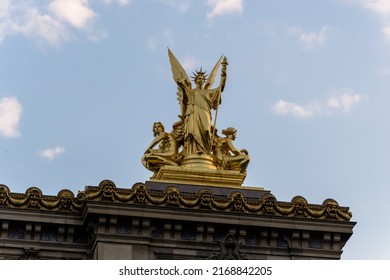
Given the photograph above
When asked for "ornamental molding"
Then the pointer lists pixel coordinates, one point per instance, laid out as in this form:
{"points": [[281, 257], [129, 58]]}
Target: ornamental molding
{"points": [[202, 200]]}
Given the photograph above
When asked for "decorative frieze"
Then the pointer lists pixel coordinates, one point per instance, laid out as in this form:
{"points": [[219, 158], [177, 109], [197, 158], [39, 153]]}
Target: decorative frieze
{"points": [[172, 196]]}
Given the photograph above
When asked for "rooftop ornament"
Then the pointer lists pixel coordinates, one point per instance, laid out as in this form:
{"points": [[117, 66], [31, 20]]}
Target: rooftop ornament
{"points": [[194, 143]]}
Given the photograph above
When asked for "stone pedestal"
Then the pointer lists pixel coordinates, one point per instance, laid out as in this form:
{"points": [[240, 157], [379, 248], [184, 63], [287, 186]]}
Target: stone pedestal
{"points": [[198, 162], [200, 177]]}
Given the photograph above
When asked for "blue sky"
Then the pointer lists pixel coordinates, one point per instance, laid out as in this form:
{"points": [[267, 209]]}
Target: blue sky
{"points": [[82, 81]]}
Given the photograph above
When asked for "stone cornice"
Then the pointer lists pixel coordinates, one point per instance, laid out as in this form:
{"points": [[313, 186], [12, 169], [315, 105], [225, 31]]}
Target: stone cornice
{"points": [[172, 197]]}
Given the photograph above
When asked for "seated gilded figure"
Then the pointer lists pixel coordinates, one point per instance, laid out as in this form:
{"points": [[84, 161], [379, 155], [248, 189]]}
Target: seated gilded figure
{"points": [[165, 154], [227, 156]]}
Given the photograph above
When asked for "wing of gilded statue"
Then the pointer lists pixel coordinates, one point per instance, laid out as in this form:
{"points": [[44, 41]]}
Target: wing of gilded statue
{"points": [[178, 72], [213, 74]]}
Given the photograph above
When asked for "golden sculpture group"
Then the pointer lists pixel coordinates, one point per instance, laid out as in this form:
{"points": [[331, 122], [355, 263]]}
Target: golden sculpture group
{"points": [[194, 142]]}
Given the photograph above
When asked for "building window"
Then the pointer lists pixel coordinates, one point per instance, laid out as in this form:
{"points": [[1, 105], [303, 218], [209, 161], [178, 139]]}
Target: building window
{"points": [[158, 226], [123, 226], [316, 240], [49, 232], [16, 230], [220, 232], [188, 231], [282, 239], [80, 236], [252, 236]]}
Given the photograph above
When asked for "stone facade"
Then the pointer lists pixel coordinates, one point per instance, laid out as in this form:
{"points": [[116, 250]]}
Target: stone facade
{"points": [[155, 220]]}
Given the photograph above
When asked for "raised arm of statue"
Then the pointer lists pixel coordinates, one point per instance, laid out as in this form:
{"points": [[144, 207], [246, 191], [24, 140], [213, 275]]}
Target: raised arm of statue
{"points": [[211, 77], [223, 74]]}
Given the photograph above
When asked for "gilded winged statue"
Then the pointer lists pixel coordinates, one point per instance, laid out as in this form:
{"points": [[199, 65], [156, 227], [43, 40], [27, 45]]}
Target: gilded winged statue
{"points": [[196, 105], [194, 142]]}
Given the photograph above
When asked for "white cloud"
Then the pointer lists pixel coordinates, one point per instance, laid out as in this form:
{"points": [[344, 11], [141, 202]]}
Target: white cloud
{"points": [[123, 2], [310, 40], [36, 25], [343, 101], [378, 6], [119, 2], [4, 8], [27, 18], [382, 9], [51, 21], [289, 108], [75, 12], [223, 7], [52, 153], [10, 113]]}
